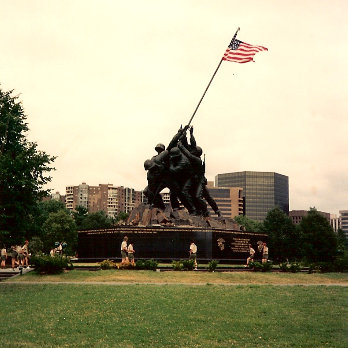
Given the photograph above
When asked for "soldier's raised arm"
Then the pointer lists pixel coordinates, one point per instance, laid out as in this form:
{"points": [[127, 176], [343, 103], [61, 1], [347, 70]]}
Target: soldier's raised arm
{"points": [[177, 137]]}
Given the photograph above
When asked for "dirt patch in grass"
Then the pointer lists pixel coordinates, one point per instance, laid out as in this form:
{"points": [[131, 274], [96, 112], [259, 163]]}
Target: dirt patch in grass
{"points": [[187, 277]]}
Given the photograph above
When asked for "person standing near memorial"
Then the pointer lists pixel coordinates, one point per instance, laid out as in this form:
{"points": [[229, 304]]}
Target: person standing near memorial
{"points": [[25, 254], [251, 255], [193, 254], [124, 250], [14, 255], [265, 253], [20, 255], [131, 252], [3, 256]]}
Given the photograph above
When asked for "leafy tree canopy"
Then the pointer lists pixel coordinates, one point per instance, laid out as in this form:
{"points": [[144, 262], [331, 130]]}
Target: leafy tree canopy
{"points": [[250, 225], [41, 213], [60, 227], [95, 220], [319, 242], [283, 237], [80, 214], [22, 171], [342, 243], [121, 216]]}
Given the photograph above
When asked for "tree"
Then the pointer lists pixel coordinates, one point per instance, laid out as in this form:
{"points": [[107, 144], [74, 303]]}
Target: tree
{"points": [[249, 224], [80, 214], [96, 220], [22, 171], [36, 245], [283, 237], [41, 213], [60, 227], [319, 242], [341, 240], [121, 216]]}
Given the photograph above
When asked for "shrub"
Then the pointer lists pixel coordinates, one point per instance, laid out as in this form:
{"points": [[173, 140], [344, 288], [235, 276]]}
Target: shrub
{"points": [[261, 267], [212, 265], [255, 266], [188, 265], [140, 264], [267, 266], [311, 268], [294, 267], [126, 265], [177, 265], [50, 264], [146, 264], [151, 265], [340, 264], [324, 267], [183, 265], [107, 264], [284, 267]]}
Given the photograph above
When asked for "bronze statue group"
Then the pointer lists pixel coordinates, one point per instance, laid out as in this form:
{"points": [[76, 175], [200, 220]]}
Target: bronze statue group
{"points": [[179, 168]]}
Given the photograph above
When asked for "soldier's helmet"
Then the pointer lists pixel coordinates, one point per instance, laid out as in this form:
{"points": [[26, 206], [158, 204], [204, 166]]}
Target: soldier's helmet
{"points": [[160, 147], [198, 151], [148, 164], [174, 152]]}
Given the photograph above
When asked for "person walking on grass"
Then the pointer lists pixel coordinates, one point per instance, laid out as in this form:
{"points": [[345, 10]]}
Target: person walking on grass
{"points": [[131, 252], [251, 255], [3, 256], [193, 254], [124, 250]]}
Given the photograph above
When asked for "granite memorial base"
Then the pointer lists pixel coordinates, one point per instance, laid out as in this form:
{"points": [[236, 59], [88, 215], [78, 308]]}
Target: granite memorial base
{"points": [[168, 243]]}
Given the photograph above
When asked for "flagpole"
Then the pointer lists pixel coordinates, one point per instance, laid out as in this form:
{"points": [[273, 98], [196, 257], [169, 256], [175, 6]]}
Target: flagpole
{"points": [[199, 103]]}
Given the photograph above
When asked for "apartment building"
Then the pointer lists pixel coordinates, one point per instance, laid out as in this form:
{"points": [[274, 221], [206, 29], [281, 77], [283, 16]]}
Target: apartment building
{"points": [[106, 197], [344, 222]]}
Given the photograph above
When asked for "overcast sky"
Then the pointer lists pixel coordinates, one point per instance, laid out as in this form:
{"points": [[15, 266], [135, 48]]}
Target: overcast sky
{"points": [[103, 82]]}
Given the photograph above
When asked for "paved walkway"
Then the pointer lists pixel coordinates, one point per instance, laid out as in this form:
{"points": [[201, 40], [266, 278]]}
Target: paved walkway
{"points": [[171, 283]]}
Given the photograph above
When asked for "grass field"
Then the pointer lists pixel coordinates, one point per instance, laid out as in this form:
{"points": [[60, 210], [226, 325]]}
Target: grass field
{"points": [[174, 315]]}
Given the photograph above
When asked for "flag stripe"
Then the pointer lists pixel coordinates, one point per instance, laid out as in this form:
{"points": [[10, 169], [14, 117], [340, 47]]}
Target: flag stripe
{"points": [[242, 52]]}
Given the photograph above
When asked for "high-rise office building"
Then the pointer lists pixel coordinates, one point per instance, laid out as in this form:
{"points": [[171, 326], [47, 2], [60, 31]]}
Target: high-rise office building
{"points": [[229, 200], [297, 215], [262, 191]]}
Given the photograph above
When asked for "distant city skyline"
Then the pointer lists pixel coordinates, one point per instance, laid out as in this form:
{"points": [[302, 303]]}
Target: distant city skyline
{"points": [[102, 82]]}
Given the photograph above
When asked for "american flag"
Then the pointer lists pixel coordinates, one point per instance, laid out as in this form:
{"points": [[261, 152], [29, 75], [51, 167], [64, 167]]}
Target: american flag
{"points": [[241, 52]]}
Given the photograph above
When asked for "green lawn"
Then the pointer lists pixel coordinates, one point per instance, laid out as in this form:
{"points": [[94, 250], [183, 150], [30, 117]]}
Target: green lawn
{"points": [[256, 314], [68, 315]]}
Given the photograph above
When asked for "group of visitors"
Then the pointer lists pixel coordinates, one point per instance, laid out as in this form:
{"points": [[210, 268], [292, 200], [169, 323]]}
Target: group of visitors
{"points": [[58, 249], [127, 252], [262, 247], [19, 256]]}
